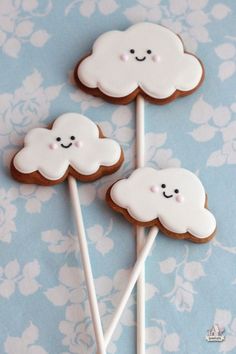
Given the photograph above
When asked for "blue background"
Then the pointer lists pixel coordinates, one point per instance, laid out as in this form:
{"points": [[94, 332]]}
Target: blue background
{"points": [[43, 302]]}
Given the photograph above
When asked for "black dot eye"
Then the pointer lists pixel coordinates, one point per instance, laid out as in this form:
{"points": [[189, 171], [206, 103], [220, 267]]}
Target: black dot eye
{"points": [[176, 191], [149, 51], [132, 51], [72, 137], [163, 185], [58, 139]]}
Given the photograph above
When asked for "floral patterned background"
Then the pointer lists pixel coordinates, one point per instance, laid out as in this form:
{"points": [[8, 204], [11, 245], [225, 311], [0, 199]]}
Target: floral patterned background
{"points": [[43, 301]]}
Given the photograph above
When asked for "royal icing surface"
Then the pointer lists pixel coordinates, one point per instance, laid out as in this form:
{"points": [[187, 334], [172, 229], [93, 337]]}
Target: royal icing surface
{"points": [[146, 55], [73, 141], [175, 196]]}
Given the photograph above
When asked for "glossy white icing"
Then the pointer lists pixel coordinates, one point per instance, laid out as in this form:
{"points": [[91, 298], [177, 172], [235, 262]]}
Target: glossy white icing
{"points": [[146, 55], [72, 141], [149, 194]]}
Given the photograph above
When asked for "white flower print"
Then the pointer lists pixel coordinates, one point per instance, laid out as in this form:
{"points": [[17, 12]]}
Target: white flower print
{"points": [[26, 343], [22, 110], [85, 101], [188, 18], [214, 121], [12, 277], [100, 238], [77, 326], [182, 295], [186, 273], [155, 155], [88, 7], [118, 126], [87, 194], [77, 335], [168, 265], [229, 249], [227, 53], [71, 288], [224, 319], [8, 213], [59, 243], [158, 339], [35, 196], [17, 26], [145, 10]]}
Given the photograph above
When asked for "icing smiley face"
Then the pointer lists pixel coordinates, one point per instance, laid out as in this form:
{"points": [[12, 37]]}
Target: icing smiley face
{"points": [[74, 145], [125, 57], [174, 199], [165, 194], [146, 58], [142, 58], [179, 198], [65, 146], [55, 146], [174, 193]]}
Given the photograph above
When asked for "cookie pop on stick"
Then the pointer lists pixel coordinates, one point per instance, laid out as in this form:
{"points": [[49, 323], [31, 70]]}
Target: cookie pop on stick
{"points": [[145, 61], [173, 200], [73, 148]]}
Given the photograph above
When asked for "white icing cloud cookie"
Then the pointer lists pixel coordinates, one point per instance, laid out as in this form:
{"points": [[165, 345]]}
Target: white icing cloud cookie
{"points": [[73, 142], [175, 197], [145, 56]]}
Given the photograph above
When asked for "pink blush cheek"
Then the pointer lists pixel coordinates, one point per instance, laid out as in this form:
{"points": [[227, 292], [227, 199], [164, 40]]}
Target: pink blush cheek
{"points": [[156, 58], [179, 198], [124, 57], [53, 146], [154, 189], [78, 144]]}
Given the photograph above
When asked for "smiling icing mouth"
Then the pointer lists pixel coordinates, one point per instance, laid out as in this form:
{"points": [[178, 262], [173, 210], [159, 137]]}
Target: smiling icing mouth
{"points": [[167, 196], [142, 59], [66, 146]]}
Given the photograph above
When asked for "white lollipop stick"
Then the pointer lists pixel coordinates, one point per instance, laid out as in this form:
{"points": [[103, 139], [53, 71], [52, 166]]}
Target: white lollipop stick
{"points": [[140, 161], [87, 266], [150, 238]]}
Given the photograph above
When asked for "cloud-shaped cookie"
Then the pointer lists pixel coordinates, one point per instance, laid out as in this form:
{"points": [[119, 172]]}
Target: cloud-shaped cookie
{"points": [[173, 198], [146, 58], [74, 145]]}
